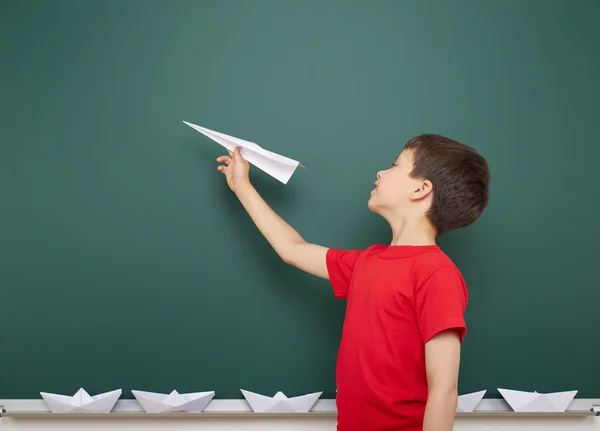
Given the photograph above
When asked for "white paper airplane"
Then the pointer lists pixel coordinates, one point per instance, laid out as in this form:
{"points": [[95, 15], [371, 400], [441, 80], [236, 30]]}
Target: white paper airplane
{"points": [[81, 402], [280, 403], [468, 402], [153, 402], [521, 401], [276, 165]]}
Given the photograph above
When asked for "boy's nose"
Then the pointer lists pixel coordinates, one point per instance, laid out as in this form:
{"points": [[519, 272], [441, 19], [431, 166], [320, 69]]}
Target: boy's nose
{"points": [[378, 174]]}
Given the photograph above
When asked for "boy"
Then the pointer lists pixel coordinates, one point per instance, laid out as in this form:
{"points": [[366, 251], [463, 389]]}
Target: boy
{"points": [[398, 360]]}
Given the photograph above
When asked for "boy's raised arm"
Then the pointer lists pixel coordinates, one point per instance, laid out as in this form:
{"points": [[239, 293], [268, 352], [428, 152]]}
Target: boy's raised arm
{"points": [[284, 239]]}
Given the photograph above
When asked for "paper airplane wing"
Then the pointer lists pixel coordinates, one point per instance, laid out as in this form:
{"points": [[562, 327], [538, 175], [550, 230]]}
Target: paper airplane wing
{"points": [[279, 158], [303, 403], [276, 165], [280, 171], [517, 400], [227, 140], [468, 402]]}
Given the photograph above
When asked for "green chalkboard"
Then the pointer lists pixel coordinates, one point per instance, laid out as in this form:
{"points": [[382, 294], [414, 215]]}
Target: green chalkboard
{"points": [[125, 262]]}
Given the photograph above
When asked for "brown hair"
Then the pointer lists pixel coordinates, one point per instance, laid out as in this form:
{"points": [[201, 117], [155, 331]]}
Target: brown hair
{"points": [[460, 178]]}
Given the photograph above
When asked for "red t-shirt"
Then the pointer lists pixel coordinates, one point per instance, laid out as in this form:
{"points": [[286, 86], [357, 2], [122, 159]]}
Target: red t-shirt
{"points": [[398, 298]]}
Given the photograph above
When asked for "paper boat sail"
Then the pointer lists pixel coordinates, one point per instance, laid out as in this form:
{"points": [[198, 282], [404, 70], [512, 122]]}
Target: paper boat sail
{"points": [[279, 403], [521, 401], [81, 402], [468, 402], [153, 402]]}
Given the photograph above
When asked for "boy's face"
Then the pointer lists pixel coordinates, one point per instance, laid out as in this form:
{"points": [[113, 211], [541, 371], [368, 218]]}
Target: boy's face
{"points": [[395, 190]]}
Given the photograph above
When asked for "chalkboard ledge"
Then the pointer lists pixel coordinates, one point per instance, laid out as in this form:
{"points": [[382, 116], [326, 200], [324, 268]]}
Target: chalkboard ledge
{"points": [[252, 415], [231, 409]]}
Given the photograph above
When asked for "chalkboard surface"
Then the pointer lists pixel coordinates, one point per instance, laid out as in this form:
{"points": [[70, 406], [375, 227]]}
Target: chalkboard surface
{"points": [[125, 261]]}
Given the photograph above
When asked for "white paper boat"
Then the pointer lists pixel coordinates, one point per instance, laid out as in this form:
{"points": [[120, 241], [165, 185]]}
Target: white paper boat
{"points": [[521, 401], [81, 402], [153, 402], [276, 165], [280, 403], [468, 402]]}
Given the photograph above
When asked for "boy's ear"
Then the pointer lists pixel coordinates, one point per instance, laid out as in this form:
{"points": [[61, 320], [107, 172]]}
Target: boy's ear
{"points": [[421, 192]]}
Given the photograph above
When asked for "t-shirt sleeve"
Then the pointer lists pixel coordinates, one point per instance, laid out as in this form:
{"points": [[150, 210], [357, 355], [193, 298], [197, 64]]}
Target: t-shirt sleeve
{"points": [[441, 301], [340, 265]]}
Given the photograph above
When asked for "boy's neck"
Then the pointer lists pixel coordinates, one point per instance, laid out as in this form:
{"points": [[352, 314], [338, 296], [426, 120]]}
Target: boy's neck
{"points": [[412, 232]]}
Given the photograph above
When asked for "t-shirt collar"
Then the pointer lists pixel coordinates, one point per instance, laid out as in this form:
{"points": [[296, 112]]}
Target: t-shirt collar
{"points": [[400, 251]]}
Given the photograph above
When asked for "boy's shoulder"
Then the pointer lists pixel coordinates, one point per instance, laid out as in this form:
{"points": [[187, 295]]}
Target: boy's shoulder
{"points": [[434, 260], [439, 263], [424, 260]]}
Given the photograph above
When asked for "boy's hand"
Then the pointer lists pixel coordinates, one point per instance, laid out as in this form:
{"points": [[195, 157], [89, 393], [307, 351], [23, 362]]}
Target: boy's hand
{"points": [[236, 170]]}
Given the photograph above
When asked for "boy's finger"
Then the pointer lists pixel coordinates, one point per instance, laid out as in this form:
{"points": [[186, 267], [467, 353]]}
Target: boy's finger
{"points": [[224, 159], [237, 153]]}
